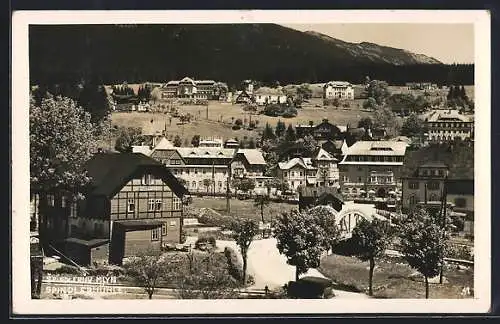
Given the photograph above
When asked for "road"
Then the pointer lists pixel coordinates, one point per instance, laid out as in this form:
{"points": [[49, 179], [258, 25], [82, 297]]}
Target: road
{"points": [[269, 267]]}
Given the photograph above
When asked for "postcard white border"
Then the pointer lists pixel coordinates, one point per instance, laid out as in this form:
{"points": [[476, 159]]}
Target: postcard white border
{"points": [[23, 305]]}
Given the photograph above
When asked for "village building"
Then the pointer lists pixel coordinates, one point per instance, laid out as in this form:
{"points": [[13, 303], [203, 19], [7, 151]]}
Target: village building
{"points": [[243, 97], [319, 196], [194, 89], [210, 169], [211, 142], [265, 95], [322, 131], [319, 170], [372, 168], [427, 86], [132, 204], [338, 89], [424, 185], [449, 125]]}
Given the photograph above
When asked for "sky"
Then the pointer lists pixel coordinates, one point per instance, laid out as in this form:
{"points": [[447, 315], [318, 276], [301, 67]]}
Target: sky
{"points": [[448, 43]]}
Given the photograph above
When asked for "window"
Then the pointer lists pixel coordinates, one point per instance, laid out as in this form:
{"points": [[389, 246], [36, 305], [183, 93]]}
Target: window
{"points": [[164, 229], [131, 205], [285, 174], [433, 185], [155, 234], [73, 209], [412, 200], [413, 185], [460, 202], [158, 204], [151, 204], [50, 200], [173, 223], [63, 201], [220, 184], [146, 179], [176, 203]]}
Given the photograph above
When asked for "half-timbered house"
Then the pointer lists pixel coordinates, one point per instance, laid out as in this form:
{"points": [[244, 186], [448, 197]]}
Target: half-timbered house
{"points": [[133, 204]]}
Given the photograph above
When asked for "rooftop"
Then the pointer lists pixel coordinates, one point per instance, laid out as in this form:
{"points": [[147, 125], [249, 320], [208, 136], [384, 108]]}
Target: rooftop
{"points": [[253, 156], [302, 162], [449, 115], [205, 152], [386, 148], [338, 84], [109, 172]]}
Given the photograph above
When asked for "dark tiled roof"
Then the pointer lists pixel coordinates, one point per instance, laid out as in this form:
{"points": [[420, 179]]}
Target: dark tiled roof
{"points": [[111, 171], [433, 164], [321, 192], [460, 187]]}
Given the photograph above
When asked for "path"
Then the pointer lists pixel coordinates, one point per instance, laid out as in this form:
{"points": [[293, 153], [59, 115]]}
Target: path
{"points": [[269, 267]]}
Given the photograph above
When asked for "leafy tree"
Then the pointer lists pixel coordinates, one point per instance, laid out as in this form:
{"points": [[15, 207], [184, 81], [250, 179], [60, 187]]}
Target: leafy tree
{"points": [[155, 94], [207, 183], [251, 143], [280, 128], [261, 201], [412, 126], [423, 244], [268, 132], [195, 141], [370, 103], [61, 142], [127, 137], [365, 123], [421, 103], [325, 219], [201, 277], [309, 144], [462, 94], [336, 102], [147, 269], [238, 123], [177, 141], [370, 239], [385, 118], [304, 91], [300, 239], [290, 135], [378, 90], [271, 162], [244, 184], [244, 232]]}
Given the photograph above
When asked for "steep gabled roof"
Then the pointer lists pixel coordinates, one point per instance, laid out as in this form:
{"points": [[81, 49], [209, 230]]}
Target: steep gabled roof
{"points": [[109, 172], [253, 156]]}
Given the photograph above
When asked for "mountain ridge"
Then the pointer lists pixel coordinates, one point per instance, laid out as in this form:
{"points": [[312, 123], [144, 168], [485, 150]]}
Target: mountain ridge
{"points": [[226, 52], [368, 49]]}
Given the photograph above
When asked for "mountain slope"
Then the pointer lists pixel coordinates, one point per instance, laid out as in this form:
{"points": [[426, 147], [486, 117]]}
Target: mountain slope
{"points": [[377, 53], [266, 52]]}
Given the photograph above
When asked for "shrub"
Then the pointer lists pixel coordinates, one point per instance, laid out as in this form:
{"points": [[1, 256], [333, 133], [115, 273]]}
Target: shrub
{"points": [[462, 252], [67, 269], [290, 112], [204, 240], [234, 265], [212, 219]]}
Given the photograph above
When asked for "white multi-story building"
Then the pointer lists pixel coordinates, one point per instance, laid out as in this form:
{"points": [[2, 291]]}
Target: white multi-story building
{"points": [[320, 170], [266, 95], [372, 167], [448, 125], [210, 169], [338, 89], [211, 142]]}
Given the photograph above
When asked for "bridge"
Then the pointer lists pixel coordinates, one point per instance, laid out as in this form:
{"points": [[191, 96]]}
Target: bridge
{"points": [[351, 214]]}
